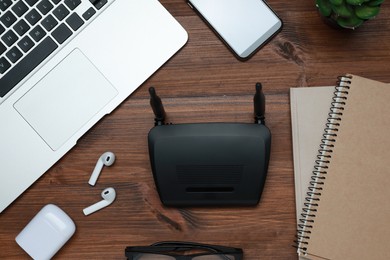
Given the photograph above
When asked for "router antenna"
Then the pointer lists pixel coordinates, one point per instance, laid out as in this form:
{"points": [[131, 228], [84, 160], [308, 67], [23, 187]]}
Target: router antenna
{"points": [[157, 106], [259, 104]]}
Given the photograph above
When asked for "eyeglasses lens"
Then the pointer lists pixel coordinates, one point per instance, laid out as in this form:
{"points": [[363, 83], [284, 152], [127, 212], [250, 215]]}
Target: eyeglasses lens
{"points": [[145, 256], [214, 257]]}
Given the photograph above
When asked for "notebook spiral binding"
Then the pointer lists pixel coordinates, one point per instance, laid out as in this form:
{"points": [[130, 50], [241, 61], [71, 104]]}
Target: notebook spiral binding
{"points": [[305, 224]]}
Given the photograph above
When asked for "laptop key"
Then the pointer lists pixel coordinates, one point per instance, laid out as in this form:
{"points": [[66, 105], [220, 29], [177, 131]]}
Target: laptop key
{"points": [[37, 33], [20, 8], [8, 19], [60, 12], [49, 22], [89, 13], [99, 3], [74, 21], [26, 65], [2, 29], [25, 44], [4, 65], [4, 4], [21, 27], [72, 4], [2, 48], [61, 33], [9, 38], [31, 2], [14, 54], [44, 6], [33, 16]]}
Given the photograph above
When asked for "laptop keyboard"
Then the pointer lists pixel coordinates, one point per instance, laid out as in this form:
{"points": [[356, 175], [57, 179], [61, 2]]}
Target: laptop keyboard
{"points": [[30, 30]]}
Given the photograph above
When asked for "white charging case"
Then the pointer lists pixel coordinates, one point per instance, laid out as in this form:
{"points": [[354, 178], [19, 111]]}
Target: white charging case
{"points": [[46, 233]]}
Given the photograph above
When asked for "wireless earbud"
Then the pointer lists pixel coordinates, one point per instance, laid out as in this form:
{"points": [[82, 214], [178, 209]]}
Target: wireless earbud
{"points": [[108, 196], [107, 159]]}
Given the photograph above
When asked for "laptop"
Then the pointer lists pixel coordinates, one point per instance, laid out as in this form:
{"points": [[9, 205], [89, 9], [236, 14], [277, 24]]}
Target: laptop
{"points": [[64, 64]]}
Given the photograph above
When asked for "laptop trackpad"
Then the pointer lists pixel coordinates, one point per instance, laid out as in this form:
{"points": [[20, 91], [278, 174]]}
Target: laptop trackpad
{"points": [[63, 101]]}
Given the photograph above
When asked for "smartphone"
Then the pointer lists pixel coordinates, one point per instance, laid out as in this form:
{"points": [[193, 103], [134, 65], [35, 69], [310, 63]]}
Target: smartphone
{"points": [[243, 25]]}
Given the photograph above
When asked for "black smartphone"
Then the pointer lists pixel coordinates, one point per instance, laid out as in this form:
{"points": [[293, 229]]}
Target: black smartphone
{"points": [[243, 25]]}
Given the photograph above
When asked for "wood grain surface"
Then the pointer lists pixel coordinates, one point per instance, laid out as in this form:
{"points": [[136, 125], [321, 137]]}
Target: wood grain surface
{"points": [[203, 82]]}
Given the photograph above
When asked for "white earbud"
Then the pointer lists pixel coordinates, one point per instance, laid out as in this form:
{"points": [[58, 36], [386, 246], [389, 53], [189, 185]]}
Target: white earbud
{"points": [[108, 196], [107, 159]]}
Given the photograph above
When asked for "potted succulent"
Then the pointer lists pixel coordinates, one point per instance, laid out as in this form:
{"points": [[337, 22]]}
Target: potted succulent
{"points": [[348, 14]]}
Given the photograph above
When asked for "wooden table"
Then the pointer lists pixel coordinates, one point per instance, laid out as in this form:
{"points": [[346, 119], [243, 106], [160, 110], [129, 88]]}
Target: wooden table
{"points": [[202, 83]]}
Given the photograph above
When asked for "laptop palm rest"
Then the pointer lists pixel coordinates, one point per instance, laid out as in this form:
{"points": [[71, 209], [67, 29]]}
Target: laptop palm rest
{"points": [[64, 100]]}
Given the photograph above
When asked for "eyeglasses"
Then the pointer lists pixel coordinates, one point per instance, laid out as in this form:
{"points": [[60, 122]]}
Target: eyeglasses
{"points": [[183, 251]]}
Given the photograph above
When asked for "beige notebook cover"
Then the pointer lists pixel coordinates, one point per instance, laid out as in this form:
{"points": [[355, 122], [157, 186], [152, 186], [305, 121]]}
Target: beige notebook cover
{"points": [[309, 111], [351, 219]]}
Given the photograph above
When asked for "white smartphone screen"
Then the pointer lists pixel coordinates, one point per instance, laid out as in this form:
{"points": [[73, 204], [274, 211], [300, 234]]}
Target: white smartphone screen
{"points": [[244, 25]]}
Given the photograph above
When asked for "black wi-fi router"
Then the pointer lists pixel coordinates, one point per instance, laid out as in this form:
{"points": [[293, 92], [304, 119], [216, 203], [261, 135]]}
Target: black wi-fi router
{"points": [[209, 164]]}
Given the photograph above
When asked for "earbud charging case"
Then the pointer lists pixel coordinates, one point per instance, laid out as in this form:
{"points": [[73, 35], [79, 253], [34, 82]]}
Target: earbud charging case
{"points": [[46, 233]]}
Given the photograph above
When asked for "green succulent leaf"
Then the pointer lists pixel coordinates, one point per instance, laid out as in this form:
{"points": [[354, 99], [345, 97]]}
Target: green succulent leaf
{"points": [[336, 2], [375, 2], [343, 10], [366, 11], [355, 2], [349, 13], [350, 22], [324, 7]]}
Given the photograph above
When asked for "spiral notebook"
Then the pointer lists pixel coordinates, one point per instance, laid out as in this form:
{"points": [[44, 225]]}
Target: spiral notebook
{"points": [[309, 111], [347, 207]]}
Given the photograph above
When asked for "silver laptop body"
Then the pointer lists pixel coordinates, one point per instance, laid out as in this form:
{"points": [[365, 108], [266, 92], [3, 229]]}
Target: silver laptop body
{"points": [[87, 76]]}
